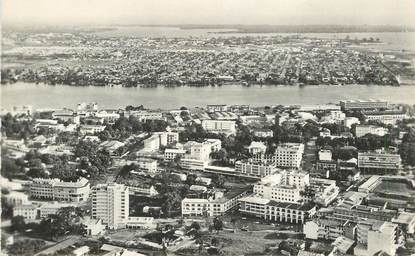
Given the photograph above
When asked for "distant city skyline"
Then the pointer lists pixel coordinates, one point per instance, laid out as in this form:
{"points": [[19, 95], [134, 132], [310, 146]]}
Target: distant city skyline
{"points": [[247, 12]]}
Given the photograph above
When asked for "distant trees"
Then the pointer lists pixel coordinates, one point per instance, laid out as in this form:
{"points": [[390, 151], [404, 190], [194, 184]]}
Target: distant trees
{"points": [[14, 128]]}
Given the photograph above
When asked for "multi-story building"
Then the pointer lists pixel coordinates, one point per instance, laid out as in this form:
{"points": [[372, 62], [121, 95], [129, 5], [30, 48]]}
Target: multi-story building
{"points": [[374, 238], [148, 165], [254, 169], [212, 203], [217, 108], [110, 202], [359, 212], [326, 229], [198, 154], [325, 191], [55, 189], [48, 209], [91, 129], [386, 117], [193, 164], [29, 212], [363, 104], [220, 126], [378, 161], [168, 138], [144, 115], [362, 130], [66, 115], [289, 155], [171, 153], [263, 133], [152, 143], [257, 147], [324, 155], [276, 211]]}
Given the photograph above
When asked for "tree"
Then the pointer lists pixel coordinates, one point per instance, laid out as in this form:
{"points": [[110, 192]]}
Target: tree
{"points": [[217, 224], [218, 180], [18, 224], [407, 148], [26, 247], [195, 225], [215, 241]]}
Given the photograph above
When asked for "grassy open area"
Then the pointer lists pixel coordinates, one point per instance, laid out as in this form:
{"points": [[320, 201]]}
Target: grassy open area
{"points": [[397, 187]]}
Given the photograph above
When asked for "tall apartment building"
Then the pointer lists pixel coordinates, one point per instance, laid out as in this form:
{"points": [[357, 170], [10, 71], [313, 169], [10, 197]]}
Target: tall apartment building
{"points": [[110, 203], [363, 104], [220, 126], [289, 155], [362, 130], [55, 189], [378, 161]]}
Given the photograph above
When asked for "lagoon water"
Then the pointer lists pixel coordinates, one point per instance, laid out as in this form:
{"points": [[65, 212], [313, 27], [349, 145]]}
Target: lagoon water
{"points": [[47, 96]]}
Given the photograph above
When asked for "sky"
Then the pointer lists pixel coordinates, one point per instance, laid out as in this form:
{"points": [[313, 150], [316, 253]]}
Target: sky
{"points": [[272, 12]]}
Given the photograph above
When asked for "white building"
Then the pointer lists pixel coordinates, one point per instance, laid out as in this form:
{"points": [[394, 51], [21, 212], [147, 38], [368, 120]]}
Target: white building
{"points": [[326, 191], [289, 155], [362, 130], [171, 153], [257, 147], [91, 129], [152, 143], [110, 202], [377, 237], [324, 155], [144, 115], [363, 104], [28, 211], [48, 209], [148, 165], [254, 169], [386, 117], [217, 108], [275, 211], [220, 126], [349, 121], [55, 189], [215, 205], [325, 229], [283, 186], [168, 138]]}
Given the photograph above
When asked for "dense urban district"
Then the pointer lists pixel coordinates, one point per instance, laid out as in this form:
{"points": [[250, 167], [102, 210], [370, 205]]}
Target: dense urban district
{"points": [[330, 179], [86, 59]]}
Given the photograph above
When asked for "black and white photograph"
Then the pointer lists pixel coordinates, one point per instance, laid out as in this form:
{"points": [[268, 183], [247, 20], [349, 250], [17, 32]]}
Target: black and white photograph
{"points": [[207, 127]]}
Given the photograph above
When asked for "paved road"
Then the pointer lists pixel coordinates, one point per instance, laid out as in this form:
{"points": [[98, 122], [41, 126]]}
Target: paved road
{"points": [[59, 246]]}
